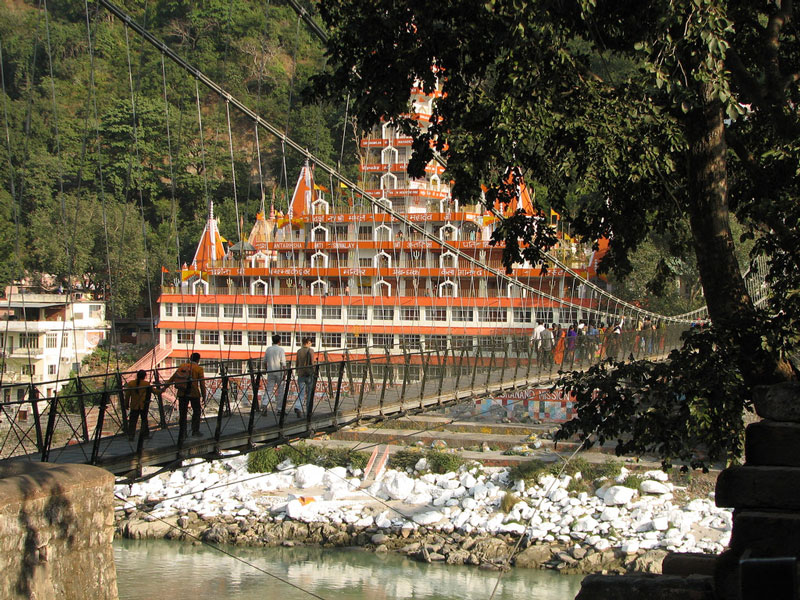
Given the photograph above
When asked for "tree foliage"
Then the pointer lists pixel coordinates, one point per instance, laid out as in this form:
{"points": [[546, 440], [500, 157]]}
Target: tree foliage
{"points": [[94, 190], [688, 409], [645, 123]]}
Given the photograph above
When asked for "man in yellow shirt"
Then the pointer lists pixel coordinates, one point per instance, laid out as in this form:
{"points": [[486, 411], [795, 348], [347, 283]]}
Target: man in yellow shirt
{"points": [[189, 382], [137, 394]]}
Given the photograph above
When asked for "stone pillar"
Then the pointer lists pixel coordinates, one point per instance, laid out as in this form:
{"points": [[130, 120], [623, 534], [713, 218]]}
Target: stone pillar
{"points": [[765, 491], [56, 529]]}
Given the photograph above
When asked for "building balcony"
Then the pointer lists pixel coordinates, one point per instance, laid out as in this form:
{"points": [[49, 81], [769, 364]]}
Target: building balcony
{"points": [[15, 377], [26, 353]]}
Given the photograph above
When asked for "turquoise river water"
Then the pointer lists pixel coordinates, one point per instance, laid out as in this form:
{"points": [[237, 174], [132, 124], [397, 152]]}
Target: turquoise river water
{"points": [[156, 569]]}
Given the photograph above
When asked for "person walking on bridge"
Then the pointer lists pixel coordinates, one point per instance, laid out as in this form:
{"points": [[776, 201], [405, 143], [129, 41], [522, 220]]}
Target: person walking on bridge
{"points": [[546, 345], [190, 384], [536, 340], [137, 395], [304, 362], [275, 365]]}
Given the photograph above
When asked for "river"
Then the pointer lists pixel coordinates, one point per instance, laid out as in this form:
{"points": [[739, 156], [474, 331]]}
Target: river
{"points": [[156, 569]]}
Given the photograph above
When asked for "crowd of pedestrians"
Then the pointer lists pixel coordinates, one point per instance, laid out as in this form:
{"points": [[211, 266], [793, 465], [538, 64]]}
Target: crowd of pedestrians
{"points": [[583, 342], [189, 383]]}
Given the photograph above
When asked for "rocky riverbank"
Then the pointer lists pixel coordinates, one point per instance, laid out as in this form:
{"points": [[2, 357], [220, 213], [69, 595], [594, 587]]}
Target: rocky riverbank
{"points": [[474, 516]]}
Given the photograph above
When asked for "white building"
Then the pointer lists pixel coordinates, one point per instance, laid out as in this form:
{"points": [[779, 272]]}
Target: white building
{"points": [[43, 337]]}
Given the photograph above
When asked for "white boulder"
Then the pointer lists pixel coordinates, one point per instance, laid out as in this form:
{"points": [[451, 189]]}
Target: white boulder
{"points": [[618, 494], [609, 513], [307, 476], [479, 491], [512, 528], [630, 547], [661, 523], [398, 486], [587, 524], [428, 518], [382, 521], [423, 498], [652, 486], [468, 503], [334, 476], [300, 511], [602, 544], [657, 474], [285, 465], [467, 479]]}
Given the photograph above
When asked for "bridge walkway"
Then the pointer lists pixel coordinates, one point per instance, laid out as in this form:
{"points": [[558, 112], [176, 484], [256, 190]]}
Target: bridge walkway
{"points": [[233, 432], [88, 421]]}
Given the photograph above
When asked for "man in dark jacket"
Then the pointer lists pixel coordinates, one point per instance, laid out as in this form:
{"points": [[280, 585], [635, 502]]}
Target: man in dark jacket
{"points": [[304, 362]]}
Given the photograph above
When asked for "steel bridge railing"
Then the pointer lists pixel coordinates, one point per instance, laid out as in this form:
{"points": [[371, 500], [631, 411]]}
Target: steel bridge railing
{"points": [[88, 421]]}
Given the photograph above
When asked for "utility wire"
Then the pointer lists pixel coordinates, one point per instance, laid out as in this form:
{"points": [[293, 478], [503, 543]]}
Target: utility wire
{"points": [[260, 475], [231, 555], [535, 512]]}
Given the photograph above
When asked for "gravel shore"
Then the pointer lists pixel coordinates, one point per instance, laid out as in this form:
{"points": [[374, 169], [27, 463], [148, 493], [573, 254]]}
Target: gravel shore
{"points": [[456, 517]]}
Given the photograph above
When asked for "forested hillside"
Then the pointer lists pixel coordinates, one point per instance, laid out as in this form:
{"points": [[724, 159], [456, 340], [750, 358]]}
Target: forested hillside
{"points": [[88, 197]]}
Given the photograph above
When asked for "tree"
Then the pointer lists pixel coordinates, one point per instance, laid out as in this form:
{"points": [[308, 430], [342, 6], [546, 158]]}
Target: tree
{"points": [[59, 165], [636, 117]]}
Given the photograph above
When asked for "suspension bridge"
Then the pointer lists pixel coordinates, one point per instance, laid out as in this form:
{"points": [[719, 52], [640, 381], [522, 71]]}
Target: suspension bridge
{"points": [[87, 421], [91, 424]]}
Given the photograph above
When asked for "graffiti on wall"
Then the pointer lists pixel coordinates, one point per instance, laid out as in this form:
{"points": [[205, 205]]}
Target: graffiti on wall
{"points": [[541, 404]]}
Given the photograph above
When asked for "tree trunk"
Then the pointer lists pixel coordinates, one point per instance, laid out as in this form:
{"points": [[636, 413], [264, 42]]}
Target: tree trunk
{"points": [[723, 285], [729, 304]]}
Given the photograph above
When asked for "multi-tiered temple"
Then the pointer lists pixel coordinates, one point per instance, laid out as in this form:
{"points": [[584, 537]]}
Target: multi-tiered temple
{"points": [[343, 271]]}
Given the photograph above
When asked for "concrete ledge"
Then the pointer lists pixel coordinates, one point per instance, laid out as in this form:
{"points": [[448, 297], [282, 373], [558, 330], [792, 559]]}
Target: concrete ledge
{"points": [[56, 529], [759, 487], [684, 564], [766, 534], [779, 402], [651, 587], [774, 443], [26, 481]]}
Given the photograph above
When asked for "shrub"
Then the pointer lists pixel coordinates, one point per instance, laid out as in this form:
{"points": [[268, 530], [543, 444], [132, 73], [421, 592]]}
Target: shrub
{"points": [[301, 453], [608, 468], [267, 459], [438, 462], [405, 459], [580, 485], [577, 465], [70, 398], [443, 462], [589, 471], [633, 481], [528, 471], [263, 461], [509, 501], [341, 457]]}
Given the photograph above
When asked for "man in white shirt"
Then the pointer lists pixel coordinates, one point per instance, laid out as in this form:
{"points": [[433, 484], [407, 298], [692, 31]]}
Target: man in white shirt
{"points": [[275, 365], [537, 337], [546, 346]]}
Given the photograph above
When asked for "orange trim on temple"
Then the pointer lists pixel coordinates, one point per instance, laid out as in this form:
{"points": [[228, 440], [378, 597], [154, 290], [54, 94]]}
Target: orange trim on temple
{"points": [[351, 328], [366, 301]]}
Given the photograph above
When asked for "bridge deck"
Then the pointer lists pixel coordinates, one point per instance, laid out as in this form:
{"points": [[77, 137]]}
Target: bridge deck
{"points": [[120, 455], [88, 424]]}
